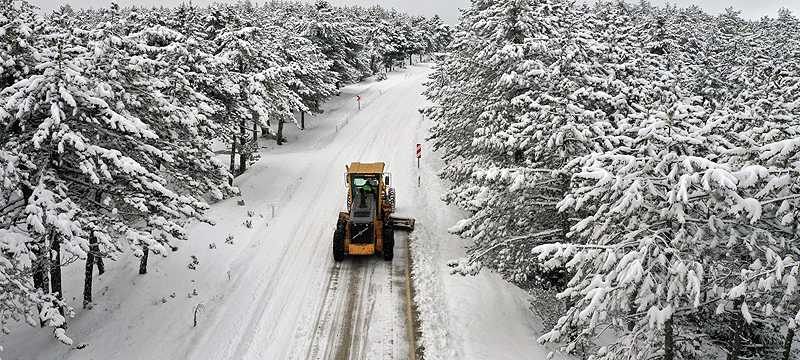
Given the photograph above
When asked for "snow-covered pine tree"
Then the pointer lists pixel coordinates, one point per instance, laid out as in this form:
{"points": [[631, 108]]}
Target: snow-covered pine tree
{"points": [[340, 40], [24, 253], [684, 228], [18, 23], [437, 35], [548, 92], [259, 81], [312, 79], [106, 119], [96, 153], [380, 46]]}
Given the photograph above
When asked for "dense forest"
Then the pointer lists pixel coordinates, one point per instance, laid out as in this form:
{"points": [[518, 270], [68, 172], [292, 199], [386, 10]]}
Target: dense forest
{"points": [[108, 117], [642, 161]]}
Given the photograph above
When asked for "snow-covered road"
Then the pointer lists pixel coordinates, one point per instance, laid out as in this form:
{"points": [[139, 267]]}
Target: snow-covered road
{"points": [[288, 299], [273, 290]]}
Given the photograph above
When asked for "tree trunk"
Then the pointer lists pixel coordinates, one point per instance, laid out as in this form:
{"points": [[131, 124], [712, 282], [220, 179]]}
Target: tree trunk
{"points": [[736, 347], [87, 274], [632, 310], [92, 258], [669, 343], [40, 278], [39, 274], [280, 132], [233, 156], [242, 144], [143, 262], [55, 270], [101, 268], [302, 120], [255, 131], [787, 346], [410, 59]]}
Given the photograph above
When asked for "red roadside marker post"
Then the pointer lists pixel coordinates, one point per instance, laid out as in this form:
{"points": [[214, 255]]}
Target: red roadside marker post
{"points": [[419, 155]]}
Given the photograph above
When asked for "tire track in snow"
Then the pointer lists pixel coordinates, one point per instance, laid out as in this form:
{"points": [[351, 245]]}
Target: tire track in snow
{"points": [[341, 351], [244, 346], [388, 337], [325, 313], [267, 303]]}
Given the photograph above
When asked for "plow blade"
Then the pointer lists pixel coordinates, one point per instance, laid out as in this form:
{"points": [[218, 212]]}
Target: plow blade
{"points": [[399, 223]]}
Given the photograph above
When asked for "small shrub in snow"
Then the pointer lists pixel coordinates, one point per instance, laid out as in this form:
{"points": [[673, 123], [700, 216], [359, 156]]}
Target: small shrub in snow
{"points": [[195, 262], [61, 335]]}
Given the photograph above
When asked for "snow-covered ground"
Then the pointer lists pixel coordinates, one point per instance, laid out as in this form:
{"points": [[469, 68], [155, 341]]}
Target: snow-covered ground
{"points": [[480, 317], [273, 290]]}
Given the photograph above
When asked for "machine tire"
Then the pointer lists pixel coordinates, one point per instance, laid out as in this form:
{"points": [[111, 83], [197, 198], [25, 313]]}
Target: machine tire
{"points": [[392, 198], [338, 242], [388, 243]]}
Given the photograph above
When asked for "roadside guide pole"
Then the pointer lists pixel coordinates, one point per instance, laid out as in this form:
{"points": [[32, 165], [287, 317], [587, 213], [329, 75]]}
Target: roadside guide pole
{"points": [[358, 100], [419, 155]]}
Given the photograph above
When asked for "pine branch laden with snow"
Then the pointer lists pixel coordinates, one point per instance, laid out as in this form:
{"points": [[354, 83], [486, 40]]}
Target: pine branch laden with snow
{"points": [[107, 118], [657, 160], [667, 238]]}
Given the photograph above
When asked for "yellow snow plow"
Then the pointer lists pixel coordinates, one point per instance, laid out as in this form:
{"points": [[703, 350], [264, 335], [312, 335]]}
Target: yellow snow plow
{"points": [[367, 227]]}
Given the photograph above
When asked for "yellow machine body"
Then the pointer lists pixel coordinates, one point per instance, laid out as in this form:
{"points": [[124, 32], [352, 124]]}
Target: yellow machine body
{"points": [[367, 227]]}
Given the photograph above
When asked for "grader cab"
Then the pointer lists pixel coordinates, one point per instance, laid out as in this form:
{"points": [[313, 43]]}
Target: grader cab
{"points": [[367, 227]]}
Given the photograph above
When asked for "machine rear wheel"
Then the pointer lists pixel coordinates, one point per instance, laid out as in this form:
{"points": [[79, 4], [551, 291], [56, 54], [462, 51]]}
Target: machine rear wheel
{"points": [[338, 242], [388, 243], [392, 198]]}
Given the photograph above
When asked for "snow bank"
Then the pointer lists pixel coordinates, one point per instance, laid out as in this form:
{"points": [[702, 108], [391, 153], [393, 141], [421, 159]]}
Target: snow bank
{"points": [[427, 297], [474, 317]]}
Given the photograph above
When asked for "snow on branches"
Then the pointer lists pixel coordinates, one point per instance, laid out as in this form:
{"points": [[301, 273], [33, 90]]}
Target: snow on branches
{"points": [[646, 157], [108, 117]]}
